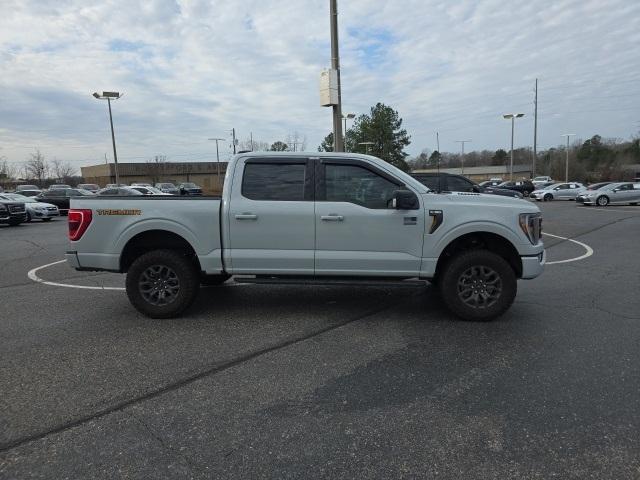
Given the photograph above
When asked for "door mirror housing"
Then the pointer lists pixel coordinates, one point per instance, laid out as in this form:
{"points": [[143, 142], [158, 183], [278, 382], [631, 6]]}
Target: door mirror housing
{"points": [[405, 200]]}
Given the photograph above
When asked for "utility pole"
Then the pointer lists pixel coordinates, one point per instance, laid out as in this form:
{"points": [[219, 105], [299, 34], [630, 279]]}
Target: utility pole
{"points": [[108, 96], [338, 142], [566, 163], [462, 157], [217, 159], [438, 160], [535, 132], [251, 140], [233, 134]]}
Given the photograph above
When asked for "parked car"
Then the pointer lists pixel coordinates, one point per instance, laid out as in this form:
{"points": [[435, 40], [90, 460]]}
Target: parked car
{"points": [[490, 183], [92, 187], [60, 197], [167, 187], [118, 191], [448, 182], [12, 212], [189, 188], [115, 185], [539, 181], [20, 188], [35, 209], [149, 190], [286, 217], [589, 189], [59, 186], [29, 193], [620, 192], [141, 184], [525, 187], [558, 191]]}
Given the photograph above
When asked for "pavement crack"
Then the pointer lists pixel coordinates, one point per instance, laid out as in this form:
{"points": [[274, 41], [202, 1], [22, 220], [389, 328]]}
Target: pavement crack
{"points": [[203, 373]]}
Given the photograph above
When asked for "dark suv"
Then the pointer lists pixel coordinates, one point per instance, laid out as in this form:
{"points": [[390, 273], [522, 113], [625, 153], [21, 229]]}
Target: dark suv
{"points": [[12, 212], [525, 187], [60, 197], [449, 182]]}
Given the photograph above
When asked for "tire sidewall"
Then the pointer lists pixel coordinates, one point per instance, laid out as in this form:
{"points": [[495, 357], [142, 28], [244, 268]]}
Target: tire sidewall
{"points": [[456, 266], [186, 272]]}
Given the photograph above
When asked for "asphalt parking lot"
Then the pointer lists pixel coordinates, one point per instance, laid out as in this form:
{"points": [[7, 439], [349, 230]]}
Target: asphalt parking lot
{"points": [[264, 381]]}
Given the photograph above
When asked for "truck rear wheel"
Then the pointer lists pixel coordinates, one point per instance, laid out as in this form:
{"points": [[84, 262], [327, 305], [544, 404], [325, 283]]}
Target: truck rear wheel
{"points": [[478, 285], [162, 283]]}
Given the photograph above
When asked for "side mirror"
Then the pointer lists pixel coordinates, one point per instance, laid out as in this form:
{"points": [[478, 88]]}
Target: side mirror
{"points": [[616, 190], [405, 200]]}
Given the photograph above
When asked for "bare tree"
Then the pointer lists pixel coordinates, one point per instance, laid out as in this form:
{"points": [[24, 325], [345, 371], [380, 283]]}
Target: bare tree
{"points": [[62, 170], [255, 146], [37, 167], [157, 168], [8, 171], [296, 141]]}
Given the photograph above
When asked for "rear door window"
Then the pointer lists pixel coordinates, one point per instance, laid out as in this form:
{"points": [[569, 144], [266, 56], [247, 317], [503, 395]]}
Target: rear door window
{"points": [[457, 184], [274, 181]]}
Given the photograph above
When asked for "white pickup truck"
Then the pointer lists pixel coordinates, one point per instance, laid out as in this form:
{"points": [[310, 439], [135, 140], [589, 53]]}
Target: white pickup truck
{"points": [[311, 218]]}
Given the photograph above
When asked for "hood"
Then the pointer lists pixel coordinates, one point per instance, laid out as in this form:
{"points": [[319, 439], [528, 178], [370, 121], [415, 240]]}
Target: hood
{"points": [[482, 200]]}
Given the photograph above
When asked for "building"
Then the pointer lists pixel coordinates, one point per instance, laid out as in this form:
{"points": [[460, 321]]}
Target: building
{"points": [[204, 174], [480, 174]]}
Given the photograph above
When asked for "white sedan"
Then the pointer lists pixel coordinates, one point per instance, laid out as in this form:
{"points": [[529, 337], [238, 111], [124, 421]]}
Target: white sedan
{"points": [[35, 209]]}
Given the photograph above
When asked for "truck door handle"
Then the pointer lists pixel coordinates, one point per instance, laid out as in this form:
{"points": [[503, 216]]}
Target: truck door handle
{"points": [[332, 218], [246, 216]]}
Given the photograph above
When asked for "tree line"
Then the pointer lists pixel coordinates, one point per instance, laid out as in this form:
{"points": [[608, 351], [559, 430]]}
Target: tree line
{"points": [[38, 169]]}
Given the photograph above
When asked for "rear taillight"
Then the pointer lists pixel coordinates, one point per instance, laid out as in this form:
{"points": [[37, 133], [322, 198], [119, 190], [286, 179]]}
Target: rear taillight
{"points": [[79, 220]]}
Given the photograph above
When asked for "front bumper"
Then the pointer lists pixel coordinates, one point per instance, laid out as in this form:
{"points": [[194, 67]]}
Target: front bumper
{"points": [[533, 266], [44, 213]]}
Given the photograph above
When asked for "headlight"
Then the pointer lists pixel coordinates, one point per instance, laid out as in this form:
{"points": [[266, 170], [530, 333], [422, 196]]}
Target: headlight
{"points": [[531, 225]]}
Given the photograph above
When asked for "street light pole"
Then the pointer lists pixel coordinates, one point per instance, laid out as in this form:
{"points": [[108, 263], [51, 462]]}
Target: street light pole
{"points": [[217, 159], [338, 145], [513, 117], [108, 96], [462, 157], [566, 163], [350, 116]]}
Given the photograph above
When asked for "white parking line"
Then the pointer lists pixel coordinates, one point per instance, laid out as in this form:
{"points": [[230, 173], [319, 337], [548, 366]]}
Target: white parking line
{"points": [[589, 250], [32, 275]]}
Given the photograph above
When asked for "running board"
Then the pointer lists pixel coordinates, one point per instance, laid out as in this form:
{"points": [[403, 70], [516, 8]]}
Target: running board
{"points": [[330, 281]]}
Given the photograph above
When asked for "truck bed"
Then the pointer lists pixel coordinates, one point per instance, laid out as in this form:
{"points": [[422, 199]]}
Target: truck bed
{"points": [[120, 221]]}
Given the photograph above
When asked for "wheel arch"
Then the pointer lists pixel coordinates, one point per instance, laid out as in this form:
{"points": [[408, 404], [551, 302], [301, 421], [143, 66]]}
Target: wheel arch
{"points": [[490, 241], [154, 240]]}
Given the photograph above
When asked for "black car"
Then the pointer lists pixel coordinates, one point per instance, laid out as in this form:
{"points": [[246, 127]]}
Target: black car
{"points": [[525, 187], [448, 182], [189, 188], [60, 197], [12, 212]]}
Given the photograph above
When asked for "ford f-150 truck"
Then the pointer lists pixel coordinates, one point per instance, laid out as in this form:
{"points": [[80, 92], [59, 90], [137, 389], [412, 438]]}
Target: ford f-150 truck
{"points": [[311, 218]]}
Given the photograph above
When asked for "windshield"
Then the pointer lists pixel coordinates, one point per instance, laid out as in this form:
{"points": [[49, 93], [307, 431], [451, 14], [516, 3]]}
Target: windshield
{"points": [[597, 186], [20, 198]]}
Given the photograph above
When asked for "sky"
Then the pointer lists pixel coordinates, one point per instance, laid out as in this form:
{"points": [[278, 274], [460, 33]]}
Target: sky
{"points": [[191, 70]]}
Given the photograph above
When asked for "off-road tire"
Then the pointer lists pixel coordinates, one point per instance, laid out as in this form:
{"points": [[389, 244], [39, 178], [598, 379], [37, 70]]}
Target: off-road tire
{"points": [[454, 272], [185, 271]]}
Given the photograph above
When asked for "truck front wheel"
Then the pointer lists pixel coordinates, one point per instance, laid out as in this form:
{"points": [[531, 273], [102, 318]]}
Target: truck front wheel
{"points": [[478, 285], [162, 283]]}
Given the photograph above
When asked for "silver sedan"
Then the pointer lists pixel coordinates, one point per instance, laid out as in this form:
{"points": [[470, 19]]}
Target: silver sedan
{"points": [[558, 191], [619, 193], [35, 209]]}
